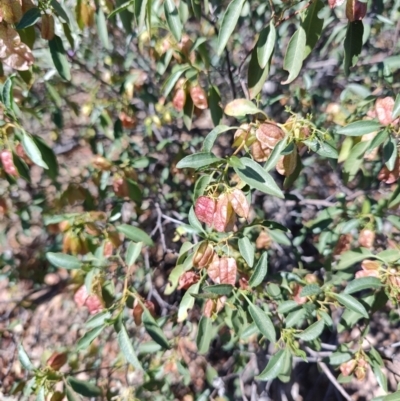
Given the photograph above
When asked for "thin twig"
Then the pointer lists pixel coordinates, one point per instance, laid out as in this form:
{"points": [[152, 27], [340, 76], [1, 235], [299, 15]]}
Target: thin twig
{"points": [[333, 380]]}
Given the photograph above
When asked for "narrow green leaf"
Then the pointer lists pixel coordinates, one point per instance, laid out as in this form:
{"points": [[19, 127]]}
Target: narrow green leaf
{"points": [[392, 397], [59, 10], [362, 283], [132, 253], [312, 26], [265, 44], [214, 102], [188, 110], [241, 107], [312, 332], [84, 387], [187, 302], [127, 350], [255, 176], [212, 136], [353, 44], [173, 20], [275, 155], [173, 78], [390, 153], [32, 150], [198, 160], [350, 258], [135, 234], [24, 358], [288, 306], [219, 289], [7, 94], [274, 367], [294, 55], [63, 261], [389, 255], [256, 76], [351, 303], [355, 160], [154, 330], [247, 250], [41, 396], [58, 55], [324, 149], [380, 376], [228, 24], [396, 107], [310, 290], [260, 271], [359, 128], [48, 157], [88, 338], [339, 357], [29, 18], [379, 138], [101, 23], [204, 335], [263, 322], [98, 320], [295, 318]]}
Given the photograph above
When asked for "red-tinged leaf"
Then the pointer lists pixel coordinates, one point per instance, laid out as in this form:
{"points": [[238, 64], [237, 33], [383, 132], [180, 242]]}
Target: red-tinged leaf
{"points": [[355, 10], [187, 280], [223, 270], [224, 216], [384, 109], [239, 203], [204, 209], [335, 3]]}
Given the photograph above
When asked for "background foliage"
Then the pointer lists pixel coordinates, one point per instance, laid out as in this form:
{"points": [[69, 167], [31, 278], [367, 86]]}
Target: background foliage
{"points": [[199, 199]]}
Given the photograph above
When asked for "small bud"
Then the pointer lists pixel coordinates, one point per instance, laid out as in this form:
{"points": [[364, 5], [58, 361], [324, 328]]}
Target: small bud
{"points": [[57, 360], [127, 121], [101, 163], [296, 294], [138, 310], [348, 367], [120, 187], [263, 241]]}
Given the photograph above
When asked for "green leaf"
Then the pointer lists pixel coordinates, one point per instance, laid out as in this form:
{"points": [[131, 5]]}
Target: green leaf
{"points": [[312, 26], [71, 396], [354, 161], [24, 358], [287, 306], [350, 258], [359, 128], [324, 149], [48, 157], [59, 10], [275, 155], [389, 255], [135, 234], [89, 337], [312, 332], [187, 302], [204, 335], [173, 20], [84, 387], [353, 44], [58, 55], [246, 249], [140, 12], [294, 55], [255, 176], [362, 283], [212, 136], [7, 94], [127, 350], [228, 24], [265, 44], [134, 191], [263, 322], [396, 107], [380, 376], [241, 107], [29, 18], [390, 153], [339, 357], [154, 330], [310, 290], [41, 394], [32, 150], [101, 23], [198, 160], [98, 320], [132, 253], [274, 367], [173, 78], [256, 76], [295, 318], [188, 113], [63, 261], [173, 279], [351, 303], [392, 397], [219, 289], [260, 271], [379, 138], [214, 102]]}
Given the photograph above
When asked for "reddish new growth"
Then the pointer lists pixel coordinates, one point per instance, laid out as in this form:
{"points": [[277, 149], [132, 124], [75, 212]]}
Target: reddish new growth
{"points": [[92, 302], [7, 162], [205, 209], [223, 270]]}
